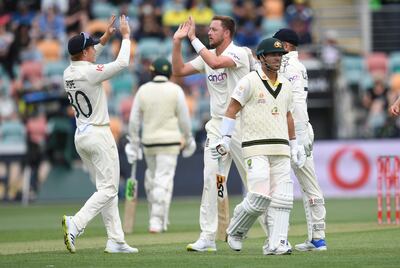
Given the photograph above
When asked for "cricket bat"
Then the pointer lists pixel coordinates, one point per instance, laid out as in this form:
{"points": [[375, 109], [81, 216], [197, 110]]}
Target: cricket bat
{"points": [[223, 203], [131, 191]]}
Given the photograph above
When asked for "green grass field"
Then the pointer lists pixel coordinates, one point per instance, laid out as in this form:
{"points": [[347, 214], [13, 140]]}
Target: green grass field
{"points": [[32, 237]]}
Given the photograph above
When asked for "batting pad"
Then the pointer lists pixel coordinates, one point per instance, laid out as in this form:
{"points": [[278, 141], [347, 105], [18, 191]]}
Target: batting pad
{"points": [[278, 226], [278, 214], [246, 213], [282, 197]]}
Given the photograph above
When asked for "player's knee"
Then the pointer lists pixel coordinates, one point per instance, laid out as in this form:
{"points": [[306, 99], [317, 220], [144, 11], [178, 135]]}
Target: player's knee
{"points": [[110, 192], [282, 197], [255, 203]]}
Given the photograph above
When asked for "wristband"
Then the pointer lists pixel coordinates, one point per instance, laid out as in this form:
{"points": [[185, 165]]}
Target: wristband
{"points": [[197, 45], [227, 126]]}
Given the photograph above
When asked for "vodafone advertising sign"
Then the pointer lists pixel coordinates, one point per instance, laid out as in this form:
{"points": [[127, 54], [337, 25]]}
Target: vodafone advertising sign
{"points": [[349, 168]]}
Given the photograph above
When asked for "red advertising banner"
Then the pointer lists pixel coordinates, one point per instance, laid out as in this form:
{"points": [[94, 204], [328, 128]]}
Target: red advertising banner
{"points": [[349, 168]]}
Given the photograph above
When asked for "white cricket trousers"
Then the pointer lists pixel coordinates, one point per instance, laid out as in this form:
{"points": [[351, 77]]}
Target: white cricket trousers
{"points": [[159, 184], [313, 198], [209, 207], [98, 151], [266, 172]]}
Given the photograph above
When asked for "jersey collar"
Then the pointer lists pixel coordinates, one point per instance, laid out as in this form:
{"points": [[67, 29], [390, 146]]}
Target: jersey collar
{"points": [[160, 78], [266, 78], [80, 62], [292, 54]]}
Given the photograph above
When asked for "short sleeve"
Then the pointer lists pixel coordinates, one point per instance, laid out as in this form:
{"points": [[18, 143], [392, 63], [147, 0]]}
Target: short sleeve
{"points": [[242, 92], [198, 64], [239, 55]]}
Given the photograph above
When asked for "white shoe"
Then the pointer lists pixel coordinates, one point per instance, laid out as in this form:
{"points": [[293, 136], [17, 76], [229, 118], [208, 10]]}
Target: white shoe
{"points": [[114, 247], [282, 249], [313, 245], [235, 242], [156, 228], [201, 245], [70, 233]]}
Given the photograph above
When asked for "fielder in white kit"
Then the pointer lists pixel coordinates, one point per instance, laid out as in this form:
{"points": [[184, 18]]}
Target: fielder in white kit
{"points": [[163, 129], [93, 138], [223, 65], [268, 142], [313, 198]]}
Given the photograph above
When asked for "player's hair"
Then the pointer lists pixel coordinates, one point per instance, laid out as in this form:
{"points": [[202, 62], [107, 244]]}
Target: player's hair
{"points": [[77, 57], [227, 23]]}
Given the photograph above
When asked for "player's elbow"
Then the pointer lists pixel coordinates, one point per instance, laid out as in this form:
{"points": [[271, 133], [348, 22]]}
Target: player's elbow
{"points": [[178, 73], [124, 63], [214, 65]]}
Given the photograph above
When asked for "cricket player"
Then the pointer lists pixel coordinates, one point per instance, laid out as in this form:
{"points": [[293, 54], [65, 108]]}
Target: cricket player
{"points": [[163, 130], [93, 139], [265, 100], [313, 198], [223, 66]]}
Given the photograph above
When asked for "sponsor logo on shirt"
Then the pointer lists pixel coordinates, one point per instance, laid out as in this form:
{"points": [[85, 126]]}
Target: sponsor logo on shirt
{"points": [[100, 67], [218, 77], [275, 111], [236, 57], [293, 78], [261, 98], [239, 91]]}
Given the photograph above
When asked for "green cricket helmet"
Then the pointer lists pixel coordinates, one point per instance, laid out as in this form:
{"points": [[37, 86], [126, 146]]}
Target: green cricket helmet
{"points": [[270, 45], [161, 66]]}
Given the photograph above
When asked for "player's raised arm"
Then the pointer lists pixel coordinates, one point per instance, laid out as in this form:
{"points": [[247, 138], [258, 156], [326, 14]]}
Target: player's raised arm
{"points": [[103, 72], [179, 67]]}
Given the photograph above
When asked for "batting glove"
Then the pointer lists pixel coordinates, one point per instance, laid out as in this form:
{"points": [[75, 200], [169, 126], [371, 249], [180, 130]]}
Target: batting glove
{"points": [[293, 151], [190, 148], [220, 148], [133, 152], [301, 156]]}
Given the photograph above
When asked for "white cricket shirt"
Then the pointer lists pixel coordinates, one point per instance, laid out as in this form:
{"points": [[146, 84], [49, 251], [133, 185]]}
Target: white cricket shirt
{"points": [[82, 82], [296, 73], [221, 82]]}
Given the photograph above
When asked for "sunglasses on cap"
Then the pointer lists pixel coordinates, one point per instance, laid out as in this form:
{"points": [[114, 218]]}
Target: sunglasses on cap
{"points": [[85, 37]]}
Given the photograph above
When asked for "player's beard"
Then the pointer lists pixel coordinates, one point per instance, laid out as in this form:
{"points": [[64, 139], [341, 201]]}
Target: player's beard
{"points": [[215, 43]]}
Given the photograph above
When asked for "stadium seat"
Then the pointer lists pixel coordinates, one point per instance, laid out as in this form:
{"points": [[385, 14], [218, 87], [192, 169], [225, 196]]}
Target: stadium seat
{"points": [[377, 62], [103, 10], [366, 81], [149, 48], [123, 83], [222, 7], [12, 132], [31, 75], [55, 68], [353, 69], [394, 62]]}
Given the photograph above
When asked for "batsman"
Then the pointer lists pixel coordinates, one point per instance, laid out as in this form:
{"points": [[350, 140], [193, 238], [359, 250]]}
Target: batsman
{"points": [[163, 129]]}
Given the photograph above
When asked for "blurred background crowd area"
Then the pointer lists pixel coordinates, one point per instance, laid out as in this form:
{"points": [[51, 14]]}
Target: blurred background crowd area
{"points": [[351, 49]]}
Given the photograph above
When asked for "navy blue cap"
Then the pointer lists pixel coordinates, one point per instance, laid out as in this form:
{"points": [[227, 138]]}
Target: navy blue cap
{"points": [[79, 42], [287, 35]]}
